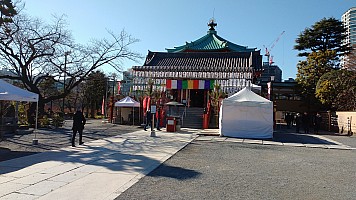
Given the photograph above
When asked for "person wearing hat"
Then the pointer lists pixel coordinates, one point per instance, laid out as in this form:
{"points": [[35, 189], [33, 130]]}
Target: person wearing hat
{"points": [[78, 126]]}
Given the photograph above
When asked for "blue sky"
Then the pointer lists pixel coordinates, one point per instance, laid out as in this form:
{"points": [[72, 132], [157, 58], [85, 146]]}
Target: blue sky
{"points": [[160, 24]]}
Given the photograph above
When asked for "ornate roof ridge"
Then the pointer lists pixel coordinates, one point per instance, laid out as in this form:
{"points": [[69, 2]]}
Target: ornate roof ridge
{"points": [[210, 42]]}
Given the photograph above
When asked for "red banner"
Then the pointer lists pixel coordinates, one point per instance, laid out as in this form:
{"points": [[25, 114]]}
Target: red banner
{"points": [[146, 103], [169, 84], [103, 106], [195, 84], [118, 87]]}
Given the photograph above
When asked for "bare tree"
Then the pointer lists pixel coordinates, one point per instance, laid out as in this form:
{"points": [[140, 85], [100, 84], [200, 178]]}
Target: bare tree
{"points": [[36, 51]]}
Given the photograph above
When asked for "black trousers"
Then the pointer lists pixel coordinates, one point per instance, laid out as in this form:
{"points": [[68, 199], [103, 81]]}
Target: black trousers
{"points": [[148, 123], [80, 136]]}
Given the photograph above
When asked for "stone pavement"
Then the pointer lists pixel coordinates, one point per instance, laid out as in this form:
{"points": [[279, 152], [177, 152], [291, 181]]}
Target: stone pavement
{"points": [[104, 168], [100, 169]]}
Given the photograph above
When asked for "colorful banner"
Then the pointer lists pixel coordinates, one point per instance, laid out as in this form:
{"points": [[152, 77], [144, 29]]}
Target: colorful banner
{"points": [[179, 84], [207, 84], [201, 84], [169, 84], [190, 84], [211, 84], [184, 84], [174, 84], [195, 84]]}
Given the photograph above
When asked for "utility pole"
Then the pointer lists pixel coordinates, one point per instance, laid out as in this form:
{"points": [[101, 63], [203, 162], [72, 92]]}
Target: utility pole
{"points": [[106, 97]]}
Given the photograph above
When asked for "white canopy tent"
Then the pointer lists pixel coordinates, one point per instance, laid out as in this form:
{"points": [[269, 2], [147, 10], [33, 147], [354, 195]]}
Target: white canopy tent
{"points": [[10, 92], [246, 115], [129, 103]]}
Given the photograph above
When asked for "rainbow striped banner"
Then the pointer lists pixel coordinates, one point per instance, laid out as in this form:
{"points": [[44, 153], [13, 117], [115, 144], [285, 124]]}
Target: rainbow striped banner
{"points": [[190, 84]]}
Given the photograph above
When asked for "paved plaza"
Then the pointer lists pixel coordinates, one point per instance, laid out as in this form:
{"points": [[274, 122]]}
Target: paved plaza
{"points": [[127, 163]]}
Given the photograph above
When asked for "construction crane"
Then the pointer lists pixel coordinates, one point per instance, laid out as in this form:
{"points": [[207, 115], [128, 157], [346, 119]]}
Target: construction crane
{"points": [[268, 51]]}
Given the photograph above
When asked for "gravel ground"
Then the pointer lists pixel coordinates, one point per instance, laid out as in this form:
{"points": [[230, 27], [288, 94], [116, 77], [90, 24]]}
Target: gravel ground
{"points": [[223, 170], [18, 145]]}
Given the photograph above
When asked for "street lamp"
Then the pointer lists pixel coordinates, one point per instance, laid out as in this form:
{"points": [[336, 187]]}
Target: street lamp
{"points": [[64, 77]]}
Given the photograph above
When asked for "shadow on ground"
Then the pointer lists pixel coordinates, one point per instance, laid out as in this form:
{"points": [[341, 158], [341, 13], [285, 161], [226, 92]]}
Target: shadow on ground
{"points": [[174, 172], [7, 154], [298, 138], [19, 144]]}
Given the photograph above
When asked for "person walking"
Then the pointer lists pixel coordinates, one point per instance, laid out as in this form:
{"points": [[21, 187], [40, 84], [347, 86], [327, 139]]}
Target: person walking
{"points": [[316, 122], [158, 117], [78, 126], [148, 120]]}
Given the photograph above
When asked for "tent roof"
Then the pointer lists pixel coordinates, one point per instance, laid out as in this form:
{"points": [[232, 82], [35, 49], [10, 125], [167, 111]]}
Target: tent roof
{"points": [[127, 102], [246, 95], [174, 103], [12, 93]]}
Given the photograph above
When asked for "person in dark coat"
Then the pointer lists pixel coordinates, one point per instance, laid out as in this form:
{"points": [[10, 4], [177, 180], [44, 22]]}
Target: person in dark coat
{"points": [[148, 120], [78, 126], [306, 122], [288, 119], [297, 122], [316, 122], [158, 118]]}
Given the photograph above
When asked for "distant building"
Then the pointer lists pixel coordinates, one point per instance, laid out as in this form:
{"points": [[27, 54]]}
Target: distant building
{"points": [[188, 72], [269, 71], [290, 80], [349, 20]]}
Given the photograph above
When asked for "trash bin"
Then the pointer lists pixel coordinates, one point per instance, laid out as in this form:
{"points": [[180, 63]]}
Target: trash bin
{"points": [[171, 124]]}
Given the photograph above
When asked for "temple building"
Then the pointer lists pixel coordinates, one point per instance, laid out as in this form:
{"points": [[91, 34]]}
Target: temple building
{"points": [[188, 72]]}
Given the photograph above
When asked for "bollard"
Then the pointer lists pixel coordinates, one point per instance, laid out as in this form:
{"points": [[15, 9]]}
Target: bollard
{"points": [[35, 141], [153, 133]]}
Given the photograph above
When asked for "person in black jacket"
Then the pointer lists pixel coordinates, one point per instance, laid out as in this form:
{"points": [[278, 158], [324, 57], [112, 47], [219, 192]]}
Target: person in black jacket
{"points": [[306, 122], [78, 126], [148, 120], [158, 117]]}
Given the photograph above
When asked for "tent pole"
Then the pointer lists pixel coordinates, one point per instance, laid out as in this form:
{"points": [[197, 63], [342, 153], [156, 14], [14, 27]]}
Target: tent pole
{"points": [[36, 116]]}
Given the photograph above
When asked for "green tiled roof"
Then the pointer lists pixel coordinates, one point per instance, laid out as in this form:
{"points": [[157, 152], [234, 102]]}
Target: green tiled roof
{"points": [[210, 42]]}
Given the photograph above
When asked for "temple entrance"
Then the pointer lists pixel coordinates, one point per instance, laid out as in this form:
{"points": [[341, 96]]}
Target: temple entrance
{"points": [[197, 98]]}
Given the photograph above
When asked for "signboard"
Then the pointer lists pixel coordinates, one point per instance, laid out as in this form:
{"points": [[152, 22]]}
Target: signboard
{"points": [[153, 109]]}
